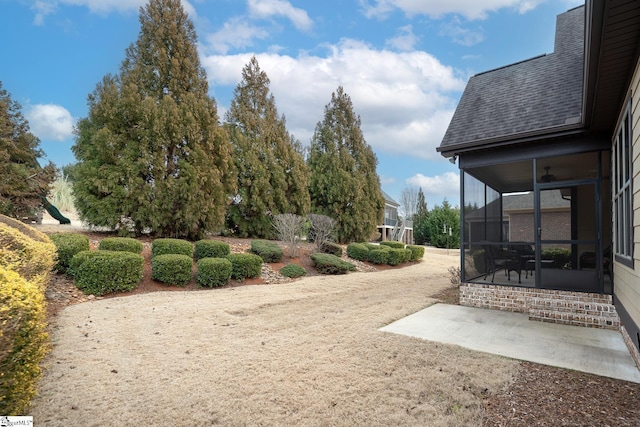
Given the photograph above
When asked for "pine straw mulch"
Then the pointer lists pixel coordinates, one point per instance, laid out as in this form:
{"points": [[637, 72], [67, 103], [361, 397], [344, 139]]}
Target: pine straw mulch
{"points": [[539, 395]]}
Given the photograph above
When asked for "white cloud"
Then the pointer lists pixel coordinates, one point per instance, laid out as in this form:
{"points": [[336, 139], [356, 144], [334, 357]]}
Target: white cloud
{"points": [[237, 33], [42, 9], [47, 7], [438, 187], [460, 34], [387, 180], [405, 100], [405, 40], [268, 8], [50, 122], [471, 9]]}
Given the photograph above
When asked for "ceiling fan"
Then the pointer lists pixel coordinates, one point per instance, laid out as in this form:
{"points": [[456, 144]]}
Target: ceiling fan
{"points": [[547, 177]]}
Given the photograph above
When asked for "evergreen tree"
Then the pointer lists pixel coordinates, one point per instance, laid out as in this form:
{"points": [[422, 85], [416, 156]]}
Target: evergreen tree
{"points": [[23, 182], [444, 226], [151, 154], [344, 183], [420, 222], [272, 176]]}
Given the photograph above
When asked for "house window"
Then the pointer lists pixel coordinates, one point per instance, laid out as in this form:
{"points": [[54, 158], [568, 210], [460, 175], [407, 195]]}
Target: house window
{"points": [[622, 191]]}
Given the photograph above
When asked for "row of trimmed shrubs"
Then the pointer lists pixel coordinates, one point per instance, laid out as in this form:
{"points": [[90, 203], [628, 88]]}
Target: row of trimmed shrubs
{"points": [[117, 265], [26, 258], [390, 253], [172, 263]]}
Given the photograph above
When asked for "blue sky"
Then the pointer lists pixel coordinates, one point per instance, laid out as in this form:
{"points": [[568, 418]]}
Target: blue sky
{"points": [[404, 64]]}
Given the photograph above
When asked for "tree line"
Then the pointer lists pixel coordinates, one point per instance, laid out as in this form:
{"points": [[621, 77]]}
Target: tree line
{"points": [[153, 155], [439, 227]]}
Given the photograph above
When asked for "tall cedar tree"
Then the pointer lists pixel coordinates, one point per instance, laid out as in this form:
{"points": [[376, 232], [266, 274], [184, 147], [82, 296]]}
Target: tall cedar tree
{"points": [[421, 221], [273, 177], [151, 155], [344, 183], [23, 182]]}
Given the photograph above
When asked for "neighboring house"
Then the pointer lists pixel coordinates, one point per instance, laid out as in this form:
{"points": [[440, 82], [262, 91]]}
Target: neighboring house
{"points": [[394, 228], [555, 213], [567, 121], [517, 215]]}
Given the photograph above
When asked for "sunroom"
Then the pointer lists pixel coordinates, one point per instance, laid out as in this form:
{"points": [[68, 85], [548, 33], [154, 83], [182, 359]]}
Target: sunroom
{"points": [[535, 181], [556, 236]]}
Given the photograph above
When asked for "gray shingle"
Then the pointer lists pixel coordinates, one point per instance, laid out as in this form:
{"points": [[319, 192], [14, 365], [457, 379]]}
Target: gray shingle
{"points": [[542, 92]]}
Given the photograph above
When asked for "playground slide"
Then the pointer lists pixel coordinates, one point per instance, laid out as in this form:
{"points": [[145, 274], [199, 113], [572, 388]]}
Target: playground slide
{"points": [[54, 212]]}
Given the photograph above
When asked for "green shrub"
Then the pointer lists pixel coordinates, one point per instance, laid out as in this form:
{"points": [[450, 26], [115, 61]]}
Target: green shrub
{"points": [[560, 256], [103, 272], [23, 340], [332, 248], [392, 244], [417, 252], [245, 266], [358, 251], [121, 244], [331, 264], [397, 256], [268, 251], [374, 246], [379, 256], [67, 245], [293, 271], [172, 269], [171, 246], [211, 249], [213, 272]]}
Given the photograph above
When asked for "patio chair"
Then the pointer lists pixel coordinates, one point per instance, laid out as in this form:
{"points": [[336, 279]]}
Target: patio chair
{"points": [[588, 261], [495, 259]]}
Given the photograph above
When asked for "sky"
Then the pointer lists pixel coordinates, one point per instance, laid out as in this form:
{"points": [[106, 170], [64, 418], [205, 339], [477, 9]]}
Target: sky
{"points": [[404, 63]]}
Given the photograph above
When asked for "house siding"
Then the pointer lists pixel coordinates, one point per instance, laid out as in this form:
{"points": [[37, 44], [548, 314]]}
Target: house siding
{"points": [[627, 279]]}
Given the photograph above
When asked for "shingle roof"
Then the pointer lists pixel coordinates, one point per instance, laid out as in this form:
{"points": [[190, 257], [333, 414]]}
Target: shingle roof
{"points": [[528, 96], [389, 199], [548, 200]]}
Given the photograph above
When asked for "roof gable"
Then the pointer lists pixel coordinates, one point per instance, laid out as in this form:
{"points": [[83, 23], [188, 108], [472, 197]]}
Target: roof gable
{"points": [[541, 93]]}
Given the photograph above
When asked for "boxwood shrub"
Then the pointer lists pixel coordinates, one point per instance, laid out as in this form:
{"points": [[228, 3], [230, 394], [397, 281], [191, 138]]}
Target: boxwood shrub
{"points": [[379, 256], [417, 252], [245, 266], [67, 245], [293, 271], [121, 244], [267, 250], [358, 251], [171, 246], [331, 264], [374, 246], [393, 244], [103, 272], [213, 272], [332, 248], [172, 269], [397, 256], [211, 249]]}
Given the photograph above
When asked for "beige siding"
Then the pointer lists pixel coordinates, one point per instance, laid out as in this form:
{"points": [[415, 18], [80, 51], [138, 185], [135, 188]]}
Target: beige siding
{"points": [[627, 280]]}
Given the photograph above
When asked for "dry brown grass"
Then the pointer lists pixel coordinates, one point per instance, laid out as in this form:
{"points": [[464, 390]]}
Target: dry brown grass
{"points": [[303, 353]]}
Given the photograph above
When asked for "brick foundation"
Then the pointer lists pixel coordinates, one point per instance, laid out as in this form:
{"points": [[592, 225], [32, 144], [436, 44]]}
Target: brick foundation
{"points": [[564, 307]]}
